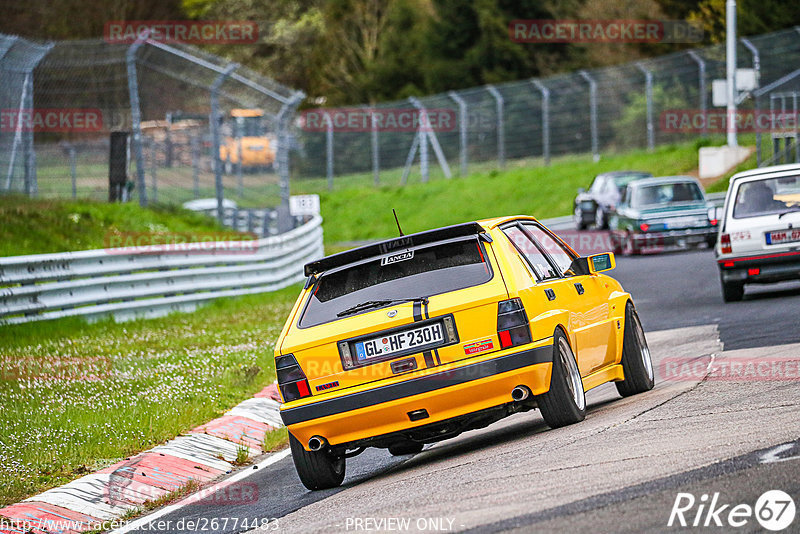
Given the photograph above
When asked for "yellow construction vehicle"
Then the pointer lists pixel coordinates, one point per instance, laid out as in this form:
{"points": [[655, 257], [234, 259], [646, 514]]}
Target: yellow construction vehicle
{"points": [[249, 139]]}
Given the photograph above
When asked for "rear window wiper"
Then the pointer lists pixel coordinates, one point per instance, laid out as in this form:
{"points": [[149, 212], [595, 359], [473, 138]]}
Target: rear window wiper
{"points": [[378, 303], [793, 209]]}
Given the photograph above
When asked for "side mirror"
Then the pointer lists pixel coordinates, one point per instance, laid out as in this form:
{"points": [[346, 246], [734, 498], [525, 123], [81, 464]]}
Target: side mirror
{"points": [[601, 262]]}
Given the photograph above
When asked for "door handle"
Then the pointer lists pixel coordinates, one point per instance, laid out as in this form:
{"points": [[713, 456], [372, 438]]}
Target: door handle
{"points": [[551, 295], [579, 288]]}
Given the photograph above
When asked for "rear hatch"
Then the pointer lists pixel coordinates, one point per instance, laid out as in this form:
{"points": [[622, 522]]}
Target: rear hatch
{"points": [[679, 216], [765, 216], [349, 331]]}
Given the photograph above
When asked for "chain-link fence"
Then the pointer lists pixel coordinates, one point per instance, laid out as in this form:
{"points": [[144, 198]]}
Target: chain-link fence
{"points": [[595, 111], [61, 103], [74, 94]]}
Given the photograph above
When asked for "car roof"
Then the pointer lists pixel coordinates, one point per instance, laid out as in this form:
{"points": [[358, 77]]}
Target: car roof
{"points": [[663, 180], [399, 243], [765, 171], [613, 174]]}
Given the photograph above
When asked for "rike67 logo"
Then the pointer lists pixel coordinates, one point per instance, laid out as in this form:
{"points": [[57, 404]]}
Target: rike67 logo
{"points": [[774, 510]]}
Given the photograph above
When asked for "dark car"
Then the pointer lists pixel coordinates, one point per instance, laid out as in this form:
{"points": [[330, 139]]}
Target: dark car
{"points": [[660, 212], [595, 205]]}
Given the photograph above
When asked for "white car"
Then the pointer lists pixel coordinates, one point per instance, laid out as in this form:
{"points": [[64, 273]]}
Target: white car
{"points": [[759, 238]]}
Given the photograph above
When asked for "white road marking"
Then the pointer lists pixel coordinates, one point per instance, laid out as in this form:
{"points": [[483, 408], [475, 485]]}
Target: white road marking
{"points": [[774, 455], [244, 473]]}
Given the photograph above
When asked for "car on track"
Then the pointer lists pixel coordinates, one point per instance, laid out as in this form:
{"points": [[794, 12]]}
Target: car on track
{"points": [[595, 206], [416, 339], [759, 240], [660, 212]]}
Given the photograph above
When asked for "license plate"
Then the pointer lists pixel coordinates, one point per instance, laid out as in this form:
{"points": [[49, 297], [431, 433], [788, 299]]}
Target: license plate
{"points": [[421, 338], [681, 222], [780, 237]]}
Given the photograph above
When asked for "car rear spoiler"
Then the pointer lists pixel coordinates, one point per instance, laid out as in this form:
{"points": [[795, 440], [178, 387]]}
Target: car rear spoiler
{"points": [[398, 243]]}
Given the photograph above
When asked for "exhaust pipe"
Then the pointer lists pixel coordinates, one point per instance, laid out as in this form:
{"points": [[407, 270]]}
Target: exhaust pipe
{"points": [[520, 393], [317, 443]]}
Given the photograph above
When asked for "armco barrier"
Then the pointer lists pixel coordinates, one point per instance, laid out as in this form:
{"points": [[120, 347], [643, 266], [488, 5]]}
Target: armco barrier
{"points": [[136, 282]]}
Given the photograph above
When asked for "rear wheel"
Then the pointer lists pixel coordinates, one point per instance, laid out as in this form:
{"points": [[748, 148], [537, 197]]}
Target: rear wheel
{"points": [[636, 362], [578, 217], [732, 291], [711, 241], [401, 448], [600, 219], [565, 402], [317, 470]]}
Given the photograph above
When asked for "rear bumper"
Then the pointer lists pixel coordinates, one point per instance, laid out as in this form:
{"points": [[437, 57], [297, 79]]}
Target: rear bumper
{"points": [[772, 268], [444, 394], [673, 237]]}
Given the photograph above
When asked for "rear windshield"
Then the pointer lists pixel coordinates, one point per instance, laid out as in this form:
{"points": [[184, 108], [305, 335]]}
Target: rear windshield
{"points": [[434, 269], [654, 195], [767, 197]]}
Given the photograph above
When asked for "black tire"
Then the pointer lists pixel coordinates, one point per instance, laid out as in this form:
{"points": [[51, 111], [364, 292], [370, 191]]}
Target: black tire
{"points": [[732, 291], [402, 448], [629, 246], [711, 241], [565, 402], [600, 219], [636, 362], [577, 216], [317, 470]]}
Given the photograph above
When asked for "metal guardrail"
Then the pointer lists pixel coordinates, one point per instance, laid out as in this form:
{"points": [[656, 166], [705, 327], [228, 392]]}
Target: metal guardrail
{"points": [[140, 282]]}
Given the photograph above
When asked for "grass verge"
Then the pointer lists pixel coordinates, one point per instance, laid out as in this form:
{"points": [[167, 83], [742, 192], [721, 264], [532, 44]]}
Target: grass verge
{"points": [[43, 226], [75, 397]]}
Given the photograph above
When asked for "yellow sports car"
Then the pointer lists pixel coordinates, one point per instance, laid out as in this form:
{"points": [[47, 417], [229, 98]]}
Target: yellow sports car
{"points": [[417, 339]]}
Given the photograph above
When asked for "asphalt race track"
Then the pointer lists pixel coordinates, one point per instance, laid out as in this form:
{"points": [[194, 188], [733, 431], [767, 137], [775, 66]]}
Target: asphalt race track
{"points": [[621, 469]]}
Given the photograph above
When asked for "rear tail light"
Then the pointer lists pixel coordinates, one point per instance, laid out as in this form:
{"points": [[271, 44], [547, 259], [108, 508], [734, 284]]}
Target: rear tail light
{"points": [[512, 323], [725, 243], [713, 222], [753, 271], [644, 227], [291, 378]]}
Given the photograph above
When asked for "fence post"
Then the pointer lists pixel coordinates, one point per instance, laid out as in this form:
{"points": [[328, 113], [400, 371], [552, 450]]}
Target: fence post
{"points": [[214, 121], [545, 120], [426, 134], [136, 117], [73, 170], [153, 170], [282, 158], [462, 131], [501, 133], [592, 112], [376, 163], [648, 91], [328, 149], [239, 171], [196, 165], [701, 64]]}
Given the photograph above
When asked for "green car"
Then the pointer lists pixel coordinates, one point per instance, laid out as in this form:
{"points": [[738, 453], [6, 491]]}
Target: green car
{"points": [[655, 213]]}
